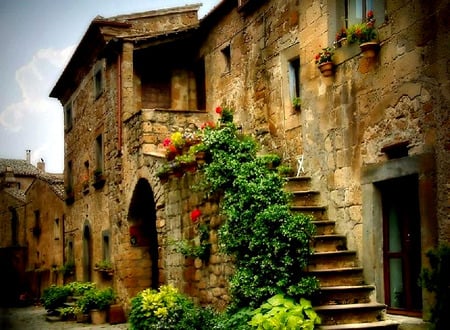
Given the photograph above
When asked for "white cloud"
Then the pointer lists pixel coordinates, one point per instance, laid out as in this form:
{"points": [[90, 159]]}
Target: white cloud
{"points": [[36, 121], [35, 80]]}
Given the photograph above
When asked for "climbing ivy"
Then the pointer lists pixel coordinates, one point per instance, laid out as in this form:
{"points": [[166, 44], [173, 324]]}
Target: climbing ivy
{"points": [[271, 245]]}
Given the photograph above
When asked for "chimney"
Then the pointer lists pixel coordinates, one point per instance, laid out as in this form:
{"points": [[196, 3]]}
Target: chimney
{"points": [[29, 156], [41, 166]]}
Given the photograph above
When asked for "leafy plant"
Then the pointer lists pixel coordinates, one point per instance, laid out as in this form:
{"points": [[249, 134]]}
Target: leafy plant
{"points": [[104, 265], [54, 296], [68, 268], [324, 56], [166, 308], [281, 312], [362, 32], [79, 288], [96, 299], [437, 281], [271, 245], [296, 102], [190, 248]]}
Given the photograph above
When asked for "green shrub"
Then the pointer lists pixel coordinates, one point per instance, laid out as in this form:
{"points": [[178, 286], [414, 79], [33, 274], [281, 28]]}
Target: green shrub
{"points": [[96, 299], [168, 309], [79, 288], [54, 296], [281, 312], [437, 280], [271, 245]]}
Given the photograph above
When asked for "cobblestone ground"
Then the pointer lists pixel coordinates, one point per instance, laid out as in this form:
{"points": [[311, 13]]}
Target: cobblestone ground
{"points": [[34, 318]]}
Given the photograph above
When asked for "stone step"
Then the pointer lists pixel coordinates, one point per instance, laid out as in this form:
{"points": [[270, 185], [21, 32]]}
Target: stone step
{"points": [[298, 183], [325, 227], [338, 295], [318, 212], [328, 243], [386, 325], [350, 276], [332, 259], [350, 313], [305, 198]]}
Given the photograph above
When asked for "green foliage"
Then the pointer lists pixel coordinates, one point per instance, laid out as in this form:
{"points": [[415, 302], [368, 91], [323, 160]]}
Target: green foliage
{"points": [[96, 299], [190, 249], [79, 288], [281, 312], [168, 309], [237, 320], [104, 265], [270, 244], [54, 296], [437, 280], [67, 269]]}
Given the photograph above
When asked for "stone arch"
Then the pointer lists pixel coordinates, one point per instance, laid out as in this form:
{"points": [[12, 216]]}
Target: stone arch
{"points": [[142, 227]]}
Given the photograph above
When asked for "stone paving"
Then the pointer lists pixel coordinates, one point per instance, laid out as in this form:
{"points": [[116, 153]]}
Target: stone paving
{"points": [[34, 318]]}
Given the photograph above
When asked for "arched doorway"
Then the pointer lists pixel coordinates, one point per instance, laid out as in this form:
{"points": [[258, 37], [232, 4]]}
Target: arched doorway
{"points": [[87, 253], [142, 224]]}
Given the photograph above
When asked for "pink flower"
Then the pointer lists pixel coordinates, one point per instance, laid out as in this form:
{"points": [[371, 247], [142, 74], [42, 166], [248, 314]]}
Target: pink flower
{"points": [[195, 214]]}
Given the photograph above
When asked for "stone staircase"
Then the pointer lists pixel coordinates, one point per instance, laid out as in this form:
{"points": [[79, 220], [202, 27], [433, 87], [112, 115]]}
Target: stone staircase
{"points": [[344, 301]]}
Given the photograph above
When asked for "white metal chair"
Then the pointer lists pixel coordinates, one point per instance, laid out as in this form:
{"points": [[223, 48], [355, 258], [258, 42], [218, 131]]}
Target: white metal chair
{"points": [[300, 167]]}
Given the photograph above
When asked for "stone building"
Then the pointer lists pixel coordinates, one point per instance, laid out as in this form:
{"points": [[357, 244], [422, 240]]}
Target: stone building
{"points": [[31, 213], [373, 137]]}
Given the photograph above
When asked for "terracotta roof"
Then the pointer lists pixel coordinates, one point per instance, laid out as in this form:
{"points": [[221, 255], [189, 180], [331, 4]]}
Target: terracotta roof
{"points": [[18, 166], [16, 193]]}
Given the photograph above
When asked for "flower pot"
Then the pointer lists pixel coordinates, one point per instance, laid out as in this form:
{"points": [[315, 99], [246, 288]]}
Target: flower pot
{"points": [[326, 69], [98, 316], [116, 314], [82, 318], [369, 49]]}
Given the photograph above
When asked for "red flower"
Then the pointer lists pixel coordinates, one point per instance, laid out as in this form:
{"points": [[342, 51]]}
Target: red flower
{"points": [[195, 214], [209, 124], [219, 110], [167, 142], [370, 14]]}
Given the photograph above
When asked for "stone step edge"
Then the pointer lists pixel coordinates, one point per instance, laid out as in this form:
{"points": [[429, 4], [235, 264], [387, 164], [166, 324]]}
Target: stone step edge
{"points": [[337, 270], [333, 308], [333, 253], [347, 287], [367, 325]]}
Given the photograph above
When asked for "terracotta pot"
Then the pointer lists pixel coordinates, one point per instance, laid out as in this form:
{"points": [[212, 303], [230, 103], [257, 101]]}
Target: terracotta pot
{"points": [[369, 49], [326, 69], [98, 316]]}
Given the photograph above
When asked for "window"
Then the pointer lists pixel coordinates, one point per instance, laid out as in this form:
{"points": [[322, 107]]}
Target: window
{"points": [[354, 11], [69, 178], [226, 52], [294, 78], [98, 82], [99, 153], [68, 116], [105, 245], [56, 229]]}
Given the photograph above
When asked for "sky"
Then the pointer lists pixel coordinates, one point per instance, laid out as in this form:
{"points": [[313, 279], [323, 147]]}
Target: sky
{"points": [[38, 38]]}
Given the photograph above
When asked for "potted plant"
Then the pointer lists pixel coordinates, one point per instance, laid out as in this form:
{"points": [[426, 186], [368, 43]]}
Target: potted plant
{"points": [[163, 173], [104, 266], [187, 162], [97, 302], [296, 102], [324, 61], [365, 35], [341, 38], [99, 179]]}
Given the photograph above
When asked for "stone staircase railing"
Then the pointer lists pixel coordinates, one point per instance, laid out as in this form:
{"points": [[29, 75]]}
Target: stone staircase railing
{"points": [[344, 300]]}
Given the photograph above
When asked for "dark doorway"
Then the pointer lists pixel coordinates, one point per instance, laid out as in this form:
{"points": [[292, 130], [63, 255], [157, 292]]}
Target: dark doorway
{"points": [[87, 253], [142, 222], [401, 245]]}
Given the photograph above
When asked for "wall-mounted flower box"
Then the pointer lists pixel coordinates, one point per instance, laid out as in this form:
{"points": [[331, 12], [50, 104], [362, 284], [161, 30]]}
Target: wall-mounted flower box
{"points": [[99, 179]]}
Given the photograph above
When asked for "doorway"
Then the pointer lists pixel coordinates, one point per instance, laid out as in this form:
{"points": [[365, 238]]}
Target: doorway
{"points": [[401, 245]]}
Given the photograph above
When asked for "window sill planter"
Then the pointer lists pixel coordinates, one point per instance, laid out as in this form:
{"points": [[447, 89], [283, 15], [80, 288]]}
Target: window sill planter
{"points": [[327, 69], [369, 49], [99, 182]]}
